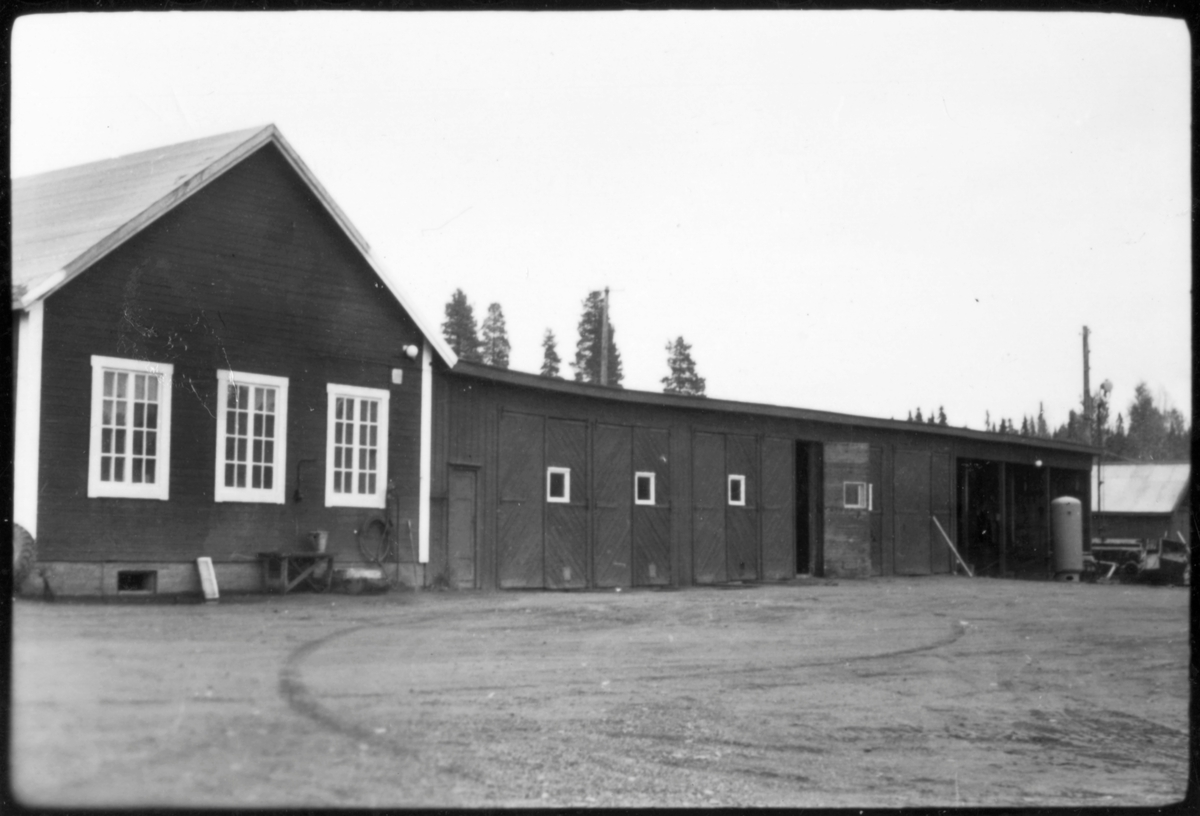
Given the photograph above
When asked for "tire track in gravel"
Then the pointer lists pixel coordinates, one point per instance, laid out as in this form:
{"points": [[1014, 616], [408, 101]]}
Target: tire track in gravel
{"points": [[301, 699], [957, 632]]}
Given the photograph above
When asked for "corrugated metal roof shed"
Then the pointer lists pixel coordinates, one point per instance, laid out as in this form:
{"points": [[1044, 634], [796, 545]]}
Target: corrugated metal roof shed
{"points": [[1142, 487]]}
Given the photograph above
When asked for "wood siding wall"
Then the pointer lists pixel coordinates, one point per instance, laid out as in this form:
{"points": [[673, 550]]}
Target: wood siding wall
{"points": [[250, 274], [693, 489]]}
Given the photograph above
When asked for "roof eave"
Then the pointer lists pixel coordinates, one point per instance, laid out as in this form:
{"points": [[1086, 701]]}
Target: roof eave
{"points": [[527, 380]]}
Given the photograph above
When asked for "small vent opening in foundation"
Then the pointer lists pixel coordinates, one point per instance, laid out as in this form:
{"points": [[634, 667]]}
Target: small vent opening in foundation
{"points": [[137, 581]]}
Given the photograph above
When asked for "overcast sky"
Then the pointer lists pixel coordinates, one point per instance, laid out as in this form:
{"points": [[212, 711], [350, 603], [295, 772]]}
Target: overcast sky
{"points": [[863, 212]]}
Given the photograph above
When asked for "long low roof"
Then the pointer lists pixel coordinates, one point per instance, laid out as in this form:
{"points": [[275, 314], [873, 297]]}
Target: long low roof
{"points": [[625, 395], [1141, 487]]}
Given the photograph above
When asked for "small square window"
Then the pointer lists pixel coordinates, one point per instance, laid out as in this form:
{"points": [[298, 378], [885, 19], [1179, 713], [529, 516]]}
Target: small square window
{"points": [[558, 485], [737, 490], [643, 488], [854, 495]]}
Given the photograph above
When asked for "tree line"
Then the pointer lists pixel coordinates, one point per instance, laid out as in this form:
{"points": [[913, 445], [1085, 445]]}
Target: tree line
{"points": [[1151, 433], [488, 344]]}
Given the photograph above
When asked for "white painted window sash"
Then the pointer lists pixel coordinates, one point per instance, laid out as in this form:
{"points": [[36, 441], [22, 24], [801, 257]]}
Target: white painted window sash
{"points": [[346, 455], [740, 481], [250, 456], [649, 476], [130, 432], [566, 474]]}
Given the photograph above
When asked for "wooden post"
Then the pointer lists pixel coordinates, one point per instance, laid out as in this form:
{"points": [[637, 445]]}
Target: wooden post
{"points": [[950, 544]]}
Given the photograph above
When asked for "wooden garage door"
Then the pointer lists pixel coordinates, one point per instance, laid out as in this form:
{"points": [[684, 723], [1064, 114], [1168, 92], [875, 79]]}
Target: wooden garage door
{"points": [[708, 508], [741, 521], [652, 522], [566, 522], [778, 511], [612, 551], [911, 489], [519, 516]]}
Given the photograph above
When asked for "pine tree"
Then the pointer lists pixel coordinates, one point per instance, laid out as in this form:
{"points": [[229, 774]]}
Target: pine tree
{"points": [[942, 416], [1042, 429], [932, 418], [987, 420], [459, 328], [683, 378], [494, 338], [550, 358], [918, 417], [1024, 426], [587, 350], [910, 416]]}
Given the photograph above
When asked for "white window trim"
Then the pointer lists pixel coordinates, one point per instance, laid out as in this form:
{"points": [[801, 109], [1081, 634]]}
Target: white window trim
{"points": [[736, 477], [160, 489], [379, 497], [637, 476], [862, 503], [275, 494], [566, 497]]}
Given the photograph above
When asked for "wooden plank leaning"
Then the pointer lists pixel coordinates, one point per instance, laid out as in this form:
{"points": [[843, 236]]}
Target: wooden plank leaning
{"points": [[950, 544]]}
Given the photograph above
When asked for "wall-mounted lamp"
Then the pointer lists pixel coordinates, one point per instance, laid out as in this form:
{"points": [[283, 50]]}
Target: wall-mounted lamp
{"points": [[1037, 463], [411, 352]]}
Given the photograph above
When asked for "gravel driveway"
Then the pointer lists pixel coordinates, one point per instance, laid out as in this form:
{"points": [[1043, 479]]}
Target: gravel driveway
{"points": [[935, 691]]}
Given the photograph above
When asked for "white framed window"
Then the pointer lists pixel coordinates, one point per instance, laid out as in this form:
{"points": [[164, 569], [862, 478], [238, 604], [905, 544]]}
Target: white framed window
{"points": [[643, 487], [129, 450], [558, 484], [854, 495], [737, 489], [356, 446], [251, 437]]}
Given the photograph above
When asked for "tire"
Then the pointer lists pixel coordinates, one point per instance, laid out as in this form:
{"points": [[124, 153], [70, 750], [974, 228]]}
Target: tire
{"points": [[24, 555]]}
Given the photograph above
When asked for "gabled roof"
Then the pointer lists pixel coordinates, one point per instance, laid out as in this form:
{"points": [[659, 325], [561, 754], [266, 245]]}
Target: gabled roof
{"points": [[66, 220], [1140, 487], [626, 395]]}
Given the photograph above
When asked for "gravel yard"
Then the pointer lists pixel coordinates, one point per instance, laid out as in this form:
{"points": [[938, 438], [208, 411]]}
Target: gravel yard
{"points": [[880, 693]]}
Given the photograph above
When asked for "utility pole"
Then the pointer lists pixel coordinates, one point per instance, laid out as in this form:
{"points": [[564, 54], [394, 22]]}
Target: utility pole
{"points": [[604, 339], [1087, 389]]}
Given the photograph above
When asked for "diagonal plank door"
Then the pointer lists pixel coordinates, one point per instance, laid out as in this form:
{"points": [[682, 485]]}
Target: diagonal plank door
{"points": [[778, 510], [741, 521], [708, 508], [652, 522], [614, 499], [519, 515], [566, 522]]}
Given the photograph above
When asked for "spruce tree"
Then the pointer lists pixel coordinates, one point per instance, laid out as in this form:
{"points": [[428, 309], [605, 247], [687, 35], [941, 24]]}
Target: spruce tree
{"points": [[918, 417], [459, 328], [587, 350], [941, 419], [550, 358], [494, 338], [1042, 429], [683, 378]]}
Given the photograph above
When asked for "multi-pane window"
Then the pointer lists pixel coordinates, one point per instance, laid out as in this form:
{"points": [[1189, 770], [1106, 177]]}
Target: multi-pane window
{"points": [[130, 450], [251, 437], [356, 450]]}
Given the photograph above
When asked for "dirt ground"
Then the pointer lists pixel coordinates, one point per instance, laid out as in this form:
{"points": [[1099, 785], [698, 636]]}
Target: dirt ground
{"points": [[883, 693]]}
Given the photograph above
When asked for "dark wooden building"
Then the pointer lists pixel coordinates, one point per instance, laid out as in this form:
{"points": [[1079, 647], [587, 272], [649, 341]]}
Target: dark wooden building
{"points": [[543, 483], [209, 362]]}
